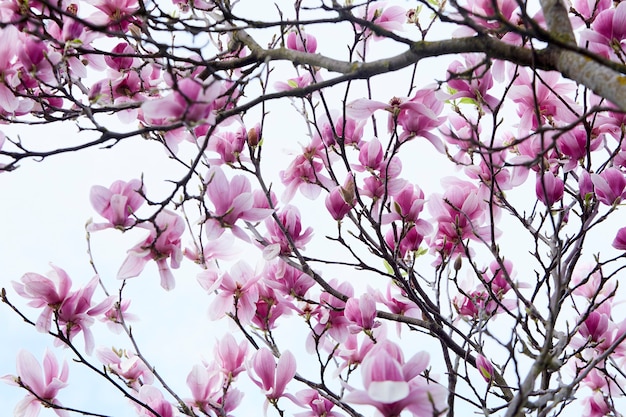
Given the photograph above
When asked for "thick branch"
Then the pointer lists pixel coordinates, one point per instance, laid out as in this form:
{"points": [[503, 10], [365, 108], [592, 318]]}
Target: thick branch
{"points": [[604, 81]]}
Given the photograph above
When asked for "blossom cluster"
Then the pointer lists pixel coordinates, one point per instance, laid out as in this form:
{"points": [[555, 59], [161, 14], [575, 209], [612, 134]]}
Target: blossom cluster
{"points": [[563, 156]]}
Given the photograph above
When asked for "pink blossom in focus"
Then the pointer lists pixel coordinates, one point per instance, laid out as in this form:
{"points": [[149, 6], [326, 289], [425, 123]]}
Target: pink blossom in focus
{"points": [[162, 243], [585, 185], [116, 203], [348, 131], [48, 293], [126, 365], [77, 313], [205, 385], [390, 18], [278, 243], [419, 117], [361, 312], [551, 94], [304, 174], [299, 82], [319, 406], [232, 200], [461, 213], [341, 199], [272, 376], [609, 186], [303, 42], [229, 145], [549, 188], [231, 356], [484, 367], [472, 80], [286, 279], [393, 385], [330, 317], [237, 291], [43, 383], [269, 307], [370, 156], [408, 238], [607, 35], [117, 14], [408, 203], [573, 144]]}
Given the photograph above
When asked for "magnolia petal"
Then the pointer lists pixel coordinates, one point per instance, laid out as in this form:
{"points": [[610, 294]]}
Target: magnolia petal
{"points": [[388, 391]]}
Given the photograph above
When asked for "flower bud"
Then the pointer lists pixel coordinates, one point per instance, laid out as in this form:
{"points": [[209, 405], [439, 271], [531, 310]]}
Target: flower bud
{"points": [[484, 367]]}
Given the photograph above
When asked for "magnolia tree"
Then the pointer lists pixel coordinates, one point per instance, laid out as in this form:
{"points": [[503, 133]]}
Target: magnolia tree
{"points": [[349, 290]]}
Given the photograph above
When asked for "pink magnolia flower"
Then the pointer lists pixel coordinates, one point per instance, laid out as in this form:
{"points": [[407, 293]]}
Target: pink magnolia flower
{"points": [[474, 305], [619, 242], [573, 144], [551, 95], [231, 356], [293, 83], [348, 131], [393, 385], [607, 35], [336, 203], [47, 293], [472, 80], [206, 387], [193, 101], [237, 291], [460, 213], [387, 17], [352, 352], [361, 312], [287, 280], [329, 315], [341, 199], [114, 315], [407, 204], [498, 277], [271, 376], [269, 307], [370, 156], [153, 397], [44, 384], [116, 14], [595, 406], [232, 200], [162, 243], [300, 41], [289, 218], [585, 185], [229, 145], [304, 174], [595, 328], [126, 365], [589, 9], [549, 188], [484, 367], [116, 203], [408, 238], [397, 303], [77, 313], [609, 186], [317, 404], [417, 116]]}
